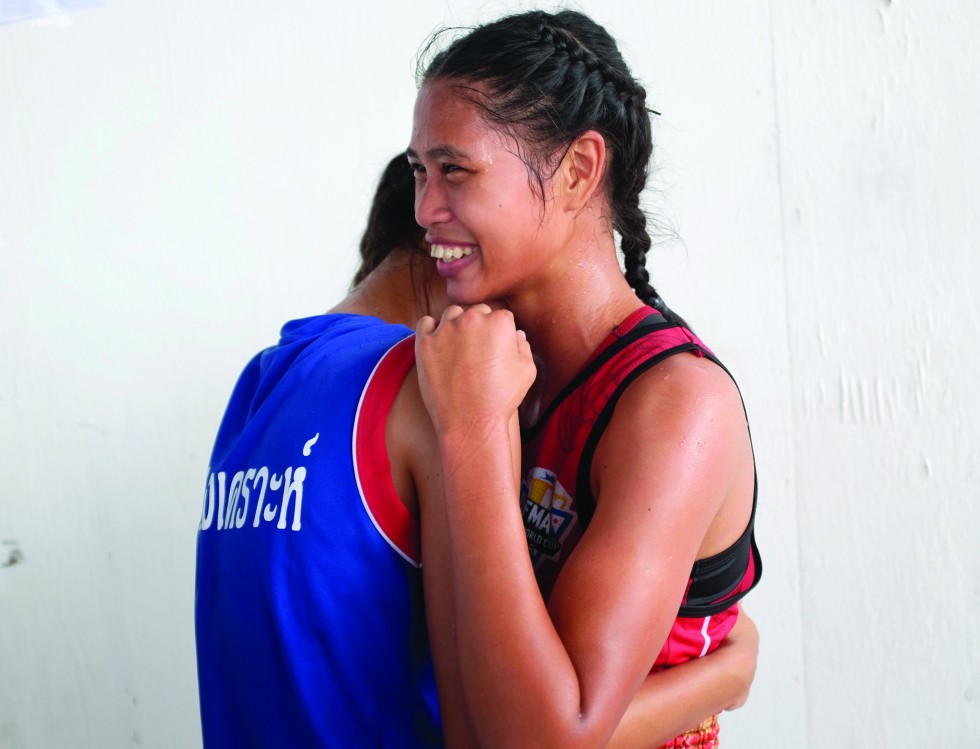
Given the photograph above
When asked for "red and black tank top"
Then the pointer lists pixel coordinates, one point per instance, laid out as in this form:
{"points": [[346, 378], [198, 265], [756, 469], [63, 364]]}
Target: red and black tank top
{"points": [[556, 496]]}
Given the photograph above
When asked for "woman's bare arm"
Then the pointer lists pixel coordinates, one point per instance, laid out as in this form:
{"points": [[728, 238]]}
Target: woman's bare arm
{"points": [[562, 675], [668, 703], [673, 701]]}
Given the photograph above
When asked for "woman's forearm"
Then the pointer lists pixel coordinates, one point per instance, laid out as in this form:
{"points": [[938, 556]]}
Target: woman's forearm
{"points": [[677, 699]]}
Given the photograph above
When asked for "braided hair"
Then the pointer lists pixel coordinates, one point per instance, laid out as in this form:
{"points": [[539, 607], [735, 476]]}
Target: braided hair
{"points": [[549, 78]]}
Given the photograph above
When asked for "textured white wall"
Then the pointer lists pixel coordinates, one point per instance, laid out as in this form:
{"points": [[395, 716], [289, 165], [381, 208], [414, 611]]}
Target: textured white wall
{"points": [[878, 112], [177, 179]]}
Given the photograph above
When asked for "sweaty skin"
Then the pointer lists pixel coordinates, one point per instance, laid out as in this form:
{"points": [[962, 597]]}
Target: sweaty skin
{"points": [[563, 672], [668, 702]]}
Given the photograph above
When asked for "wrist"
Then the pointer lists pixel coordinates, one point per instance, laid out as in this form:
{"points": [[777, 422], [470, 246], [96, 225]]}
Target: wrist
{"points": [[472, 430]]}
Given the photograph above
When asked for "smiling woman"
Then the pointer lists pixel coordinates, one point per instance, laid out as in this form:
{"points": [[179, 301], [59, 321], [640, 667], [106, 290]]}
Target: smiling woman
{"points": [[470, 195], [530, 145]]}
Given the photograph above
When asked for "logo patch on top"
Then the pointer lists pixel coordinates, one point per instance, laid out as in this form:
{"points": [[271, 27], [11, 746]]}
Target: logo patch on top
{"points": [[548, 513]]}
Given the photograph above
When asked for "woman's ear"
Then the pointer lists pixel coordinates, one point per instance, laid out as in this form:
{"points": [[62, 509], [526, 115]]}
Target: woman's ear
{"points": [[582, 170]]}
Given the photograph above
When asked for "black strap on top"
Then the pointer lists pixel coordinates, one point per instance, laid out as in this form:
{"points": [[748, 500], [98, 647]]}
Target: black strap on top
{"points": [[652, 322], [584, 499], [712, 578]]}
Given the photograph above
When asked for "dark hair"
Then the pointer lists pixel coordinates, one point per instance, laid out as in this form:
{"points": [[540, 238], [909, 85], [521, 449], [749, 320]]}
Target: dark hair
{"points": [[550, 78], [391, 222]]}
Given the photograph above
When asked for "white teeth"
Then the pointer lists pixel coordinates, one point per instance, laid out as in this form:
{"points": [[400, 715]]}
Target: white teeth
{"points": [[448, 254]]}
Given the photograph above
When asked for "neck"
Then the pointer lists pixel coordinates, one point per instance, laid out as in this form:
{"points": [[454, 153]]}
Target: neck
{"points": [[568, 318], [399, 291]]}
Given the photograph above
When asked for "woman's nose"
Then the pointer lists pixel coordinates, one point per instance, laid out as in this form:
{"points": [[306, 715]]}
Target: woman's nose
{"points": [[431, 207]]}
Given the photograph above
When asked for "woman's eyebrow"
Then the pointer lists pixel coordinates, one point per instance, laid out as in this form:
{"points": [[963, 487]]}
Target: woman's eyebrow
{"points": [[448, 152]]}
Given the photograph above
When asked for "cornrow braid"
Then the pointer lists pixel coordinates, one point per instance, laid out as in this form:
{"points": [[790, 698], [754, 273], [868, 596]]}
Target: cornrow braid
{"points": [[551, 78], [635, 242], [629, 218]]}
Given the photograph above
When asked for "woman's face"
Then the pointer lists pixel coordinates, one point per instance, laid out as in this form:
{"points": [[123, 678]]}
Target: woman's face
{"points": [[473, 196]]}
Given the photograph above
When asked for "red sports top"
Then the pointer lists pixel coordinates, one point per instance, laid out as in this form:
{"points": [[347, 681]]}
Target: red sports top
{"points": [[556, 496]]}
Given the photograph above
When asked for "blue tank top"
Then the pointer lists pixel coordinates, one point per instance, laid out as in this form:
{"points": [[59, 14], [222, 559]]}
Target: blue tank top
{"points": [[309, 615]]}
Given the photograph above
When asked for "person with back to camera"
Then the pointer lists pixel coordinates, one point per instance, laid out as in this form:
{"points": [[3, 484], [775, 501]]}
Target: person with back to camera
{"points": [[309, 613], [531, 143]]}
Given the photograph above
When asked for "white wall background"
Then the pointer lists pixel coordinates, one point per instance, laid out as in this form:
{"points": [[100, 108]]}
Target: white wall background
{"points": [[179, 178]]}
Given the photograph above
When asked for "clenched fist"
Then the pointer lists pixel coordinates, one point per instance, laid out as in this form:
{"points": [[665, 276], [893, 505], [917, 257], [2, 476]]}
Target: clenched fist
{"points": [[474, 366]]}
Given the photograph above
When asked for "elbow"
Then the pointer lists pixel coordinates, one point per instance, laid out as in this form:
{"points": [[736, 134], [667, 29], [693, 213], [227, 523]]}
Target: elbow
{"points": [[569, 732]]}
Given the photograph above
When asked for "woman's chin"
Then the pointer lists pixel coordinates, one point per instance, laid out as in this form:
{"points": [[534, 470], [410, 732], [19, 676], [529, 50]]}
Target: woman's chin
{"points": [[464, 294]]}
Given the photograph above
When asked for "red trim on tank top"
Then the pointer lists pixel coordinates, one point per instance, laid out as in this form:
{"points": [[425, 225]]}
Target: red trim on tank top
{"points": [[372, 468]]}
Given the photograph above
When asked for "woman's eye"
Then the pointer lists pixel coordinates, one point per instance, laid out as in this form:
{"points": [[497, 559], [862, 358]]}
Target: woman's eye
{"points": [[417, 167], [450, 168]]}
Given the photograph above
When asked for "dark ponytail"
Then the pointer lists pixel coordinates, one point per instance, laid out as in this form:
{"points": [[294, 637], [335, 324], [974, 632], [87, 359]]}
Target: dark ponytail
{"points": [[391, 221]]}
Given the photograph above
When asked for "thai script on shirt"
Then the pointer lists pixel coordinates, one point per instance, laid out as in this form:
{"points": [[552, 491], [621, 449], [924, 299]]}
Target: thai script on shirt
{"points": [[255, 496]]}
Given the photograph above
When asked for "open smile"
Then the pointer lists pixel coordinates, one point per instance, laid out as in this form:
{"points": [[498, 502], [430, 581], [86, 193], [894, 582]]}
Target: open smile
{"points": [[449, 253]]}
